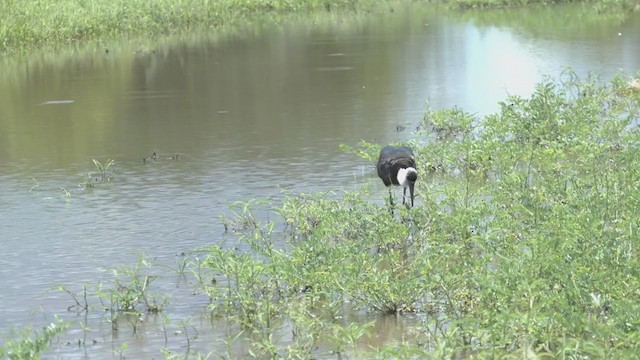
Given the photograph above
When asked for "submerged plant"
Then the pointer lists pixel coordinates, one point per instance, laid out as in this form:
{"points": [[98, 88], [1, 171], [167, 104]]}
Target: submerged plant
{"points": [[129, 295], [35, 186], [103, 169]]}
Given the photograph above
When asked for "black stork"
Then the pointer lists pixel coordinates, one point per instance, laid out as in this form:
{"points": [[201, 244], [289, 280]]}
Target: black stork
{"points": [[397, 166]]}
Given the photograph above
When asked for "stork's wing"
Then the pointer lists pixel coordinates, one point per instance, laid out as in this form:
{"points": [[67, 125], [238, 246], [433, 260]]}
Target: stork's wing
{"points": [[393, 159], [384, 171]]}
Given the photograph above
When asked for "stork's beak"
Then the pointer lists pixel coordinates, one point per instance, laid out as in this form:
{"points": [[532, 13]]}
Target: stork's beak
{"points": [[411, 192]]}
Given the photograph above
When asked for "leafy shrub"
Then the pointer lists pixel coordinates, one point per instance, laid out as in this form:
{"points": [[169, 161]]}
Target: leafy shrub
{"points": [[525, 242]]}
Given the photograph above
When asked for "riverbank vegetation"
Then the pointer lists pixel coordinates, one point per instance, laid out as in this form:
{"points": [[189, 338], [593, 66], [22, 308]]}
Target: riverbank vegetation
{"points": [[29, 344], [598, 6], [43, 23], [524, 243]]}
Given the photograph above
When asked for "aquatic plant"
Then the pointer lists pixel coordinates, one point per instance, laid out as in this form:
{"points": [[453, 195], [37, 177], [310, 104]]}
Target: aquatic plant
{"points": [[35, 186], [126, 298], [168, 355], [103, 169], [129, 292], [25, 346], [78, 306], [104, 175], [523, 244]]}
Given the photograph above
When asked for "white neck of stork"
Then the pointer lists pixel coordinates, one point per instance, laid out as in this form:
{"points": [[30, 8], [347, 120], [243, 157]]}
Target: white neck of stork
{"points": [[403, 176]]}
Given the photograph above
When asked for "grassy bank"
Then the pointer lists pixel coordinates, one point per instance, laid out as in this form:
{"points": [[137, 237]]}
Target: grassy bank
{"points": [[40, 23], [598, 6], [45, 23]]}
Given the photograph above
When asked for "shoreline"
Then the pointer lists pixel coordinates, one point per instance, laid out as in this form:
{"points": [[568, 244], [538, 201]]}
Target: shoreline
{"points": [[35, 25]]}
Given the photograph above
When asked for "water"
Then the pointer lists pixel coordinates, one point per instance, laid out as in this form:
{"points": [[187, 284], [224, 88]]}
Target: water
{"points": [[251, 114]]}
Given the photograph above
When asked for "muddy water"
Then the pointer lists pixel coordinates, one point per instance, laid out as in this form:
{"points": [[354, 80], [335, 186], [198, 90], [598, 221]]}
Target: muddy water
{"points": [[250, 115]]}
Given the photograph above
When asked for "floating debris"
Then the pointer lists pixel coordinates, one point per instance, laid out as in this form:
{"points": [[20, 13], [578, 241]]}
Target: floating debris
{"points": [[57, 102], [150, 95], [335, 68], [156, 157], [153, 157]]}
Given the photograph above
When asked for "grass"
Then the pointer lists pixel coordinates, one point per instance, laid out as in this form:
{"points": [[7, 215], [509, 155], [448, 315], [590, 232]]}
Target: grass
{"points": [[599, 6], [40, 23], [47, 24]]}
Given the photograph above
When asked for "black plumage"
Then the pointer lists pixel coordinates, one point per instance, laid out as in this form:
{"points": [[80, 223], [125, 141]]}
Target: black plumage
{"points": [[392, 159]]}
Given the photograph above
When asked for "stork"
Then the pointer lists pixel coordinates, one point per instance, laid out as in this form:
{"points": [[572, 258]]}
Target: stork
{"points": [[397, 166]]}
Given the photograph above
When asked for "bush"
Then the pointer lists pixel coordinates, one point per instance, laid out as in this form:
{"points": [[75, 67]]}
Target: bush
{"points": [[525, 242]]}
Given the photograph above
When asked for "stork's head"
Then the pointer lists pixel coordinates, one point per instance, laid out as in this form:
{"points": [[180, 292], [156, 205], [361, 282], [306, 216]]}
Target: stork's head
{"points": [[407, 178]]}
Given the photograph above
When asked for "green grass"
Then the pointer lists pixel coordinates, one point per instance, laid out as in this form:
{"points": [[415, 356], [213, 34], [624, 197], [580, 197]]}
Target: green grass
{"points": [[40, 23], [27, 25], [599, 6]]}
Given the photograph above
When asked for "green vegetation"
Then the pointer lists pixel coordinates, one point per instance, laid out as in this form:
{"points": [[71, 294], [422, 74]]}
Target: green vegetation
{"points": [[28, 347], [599, 6], [103, 169], [125, 299], [129, 292], [44, 23], [525, 243], [41, 23], [540, 21]]}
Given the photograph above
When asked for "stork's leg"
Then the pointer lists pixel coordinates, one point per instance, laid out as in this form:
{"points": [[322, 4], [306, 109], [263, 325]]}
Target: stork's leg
{"points": [[390, 197], [404, 194], [391, 206]]}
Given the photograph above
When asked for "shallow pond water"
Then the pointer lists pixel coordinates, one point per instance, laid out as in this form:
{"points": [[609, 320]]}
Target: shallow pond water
{"points": [[251, 114]]}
